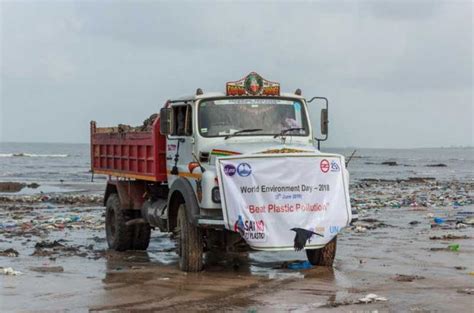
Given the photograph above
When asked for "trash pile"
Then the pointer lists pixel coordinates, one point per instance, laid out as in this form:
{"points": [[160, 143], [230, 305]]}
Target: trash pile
{"points": [[453, 220], [364, 224], [76, 199], [371, 194], [370, 298], [54, 249], [37, 221], [146, 126]]}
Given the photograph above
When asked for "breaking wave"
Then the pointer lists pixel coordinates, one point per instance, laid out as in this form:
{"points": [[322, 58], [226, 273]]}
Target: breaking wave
{"points": [[32, 155]]}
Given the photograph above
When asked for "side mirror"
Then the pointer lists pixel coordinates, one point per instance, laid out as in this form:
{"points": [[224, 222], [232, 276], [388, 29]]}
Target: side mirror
{"points": [[166, 121], [324, 121]]}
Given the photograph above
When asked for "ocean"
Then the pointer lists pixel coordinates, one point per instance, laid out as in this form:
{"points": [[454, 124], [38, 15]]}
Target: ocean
{"points": [[53, 163]]}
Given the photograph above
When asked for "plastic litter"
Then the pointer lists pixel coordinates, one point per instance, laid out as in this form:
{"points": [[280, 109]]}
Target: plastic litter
{"points": [[469, 221], [8, 224], [40, 222], [283, 275], [303, 265], [10, 271], [454, 247], [439, 220], [468, 291], [360, 229], [372, 297]]}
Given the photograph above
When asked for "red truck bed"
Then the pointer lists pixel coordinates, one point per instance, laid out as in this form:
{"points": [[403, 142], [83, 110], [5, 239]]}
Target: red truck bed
{"points": [[128, 152]]}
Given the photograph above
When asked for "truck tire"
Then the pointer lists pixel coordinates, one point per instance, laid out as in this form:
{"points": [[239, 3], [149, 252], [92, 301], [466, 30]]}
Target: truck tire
{"points": [[141, 238], [119, 236], [190, 245], [324, 256]]}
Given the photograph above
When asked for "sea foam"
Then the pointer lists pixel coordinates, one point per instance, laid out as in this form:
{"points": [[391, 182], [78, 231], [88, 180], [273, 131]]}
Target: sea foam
{"points": [[32, 155]]}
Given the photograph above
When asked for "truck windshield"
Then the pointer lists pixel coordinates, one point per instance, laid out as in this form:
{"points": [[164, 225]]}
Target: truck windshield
{"points": [[223, 117]]}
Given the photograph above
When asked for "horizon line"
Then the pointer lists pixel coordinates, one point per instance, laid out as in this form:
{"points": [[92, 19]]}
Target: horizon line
{"points": [[330, 147]]}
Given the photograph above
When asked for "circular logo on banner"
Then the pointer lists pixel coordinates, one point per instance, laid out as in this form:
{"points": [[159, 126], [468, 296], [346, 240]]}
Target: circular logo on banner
{"points": [[244, 169], [324, 166], [229, 170]]}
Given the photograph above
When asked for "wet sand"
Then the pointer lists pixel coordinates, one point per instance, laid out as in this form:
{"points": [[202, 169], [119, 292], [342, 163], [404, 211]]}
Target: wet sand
{"points": [[370, 258]]}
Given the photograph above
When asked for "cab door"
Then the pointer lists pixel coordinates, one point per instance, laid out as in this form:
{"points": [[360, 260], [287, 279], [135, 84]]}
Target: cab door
{"points": [[180, 142]]}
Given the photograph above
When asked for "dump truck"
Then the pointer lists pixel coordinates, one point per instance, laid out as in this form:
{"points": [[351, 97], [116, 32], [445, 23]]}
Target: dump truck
{"points": [[234, 171]]}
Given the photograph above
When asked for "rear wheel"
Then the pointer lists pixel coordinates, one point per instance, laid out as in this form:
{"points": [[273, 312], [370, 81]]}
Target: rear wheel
{"points": [[141, 236], [119, 236], [190, 245], [324, 256]]}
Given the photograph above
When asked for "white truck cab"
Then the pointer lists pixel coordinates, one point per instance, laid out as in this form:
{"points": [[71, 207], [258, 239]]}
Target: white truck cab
{"points": [[251, 117]]}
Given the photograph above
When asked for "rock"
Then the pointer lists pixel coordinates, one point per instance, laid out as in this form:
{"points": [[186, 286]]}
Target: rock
{"points": [[9, 252], [460, 225], [369, 220], [449, 237], [11, 187], [48, 244], [389, 163], [48, 269], [407, 278], [419, 179]]}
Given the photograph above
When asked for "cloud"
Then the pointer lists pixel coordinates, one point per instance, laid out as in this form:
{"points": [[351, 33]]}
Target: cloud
{"points": [[403, 9], [118, 61]]}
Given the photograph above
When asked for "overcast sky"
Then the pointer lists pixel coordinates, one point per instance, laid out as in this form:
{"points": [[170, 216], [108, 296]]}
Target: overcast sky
{"points": [[397, 74]]}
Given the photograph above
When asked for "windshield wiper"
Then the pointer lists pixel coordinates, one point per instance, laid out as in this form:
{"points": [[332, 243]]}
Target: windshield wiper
{"points": [[284, 131], [249, 130]]}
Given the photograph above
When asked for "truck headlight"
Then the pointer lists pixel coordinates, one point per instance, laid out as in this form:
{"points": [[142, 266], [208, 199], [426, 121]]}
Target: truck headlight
{"points": [[216, 195]]}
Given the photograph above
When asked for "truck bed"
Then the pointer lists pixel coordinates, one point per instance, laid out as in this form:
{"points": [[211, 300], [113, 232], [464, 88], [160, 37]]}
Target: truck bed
{"points": [[129, 152]]}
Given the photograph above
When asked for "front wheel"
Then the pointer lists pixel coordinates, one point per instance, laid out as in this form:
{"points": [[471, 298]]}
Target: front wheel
{"points": [[324, 256], [190, 245]]}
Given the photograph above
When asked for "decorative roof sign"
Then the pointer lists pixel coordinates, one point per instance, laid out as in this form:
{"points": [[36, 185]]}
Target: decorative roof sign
{"points": [[253, 85]]}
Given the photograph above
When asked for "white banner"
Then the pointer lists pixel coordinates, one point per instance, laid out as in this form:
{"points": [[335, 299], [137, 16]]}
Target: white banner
{"points": [[265, 196]]}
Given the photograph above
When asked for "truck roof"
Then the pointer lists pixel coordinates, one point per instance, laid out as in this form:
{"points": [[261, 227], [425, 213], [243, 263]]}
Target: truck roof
{"points": [[221, 94]]}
